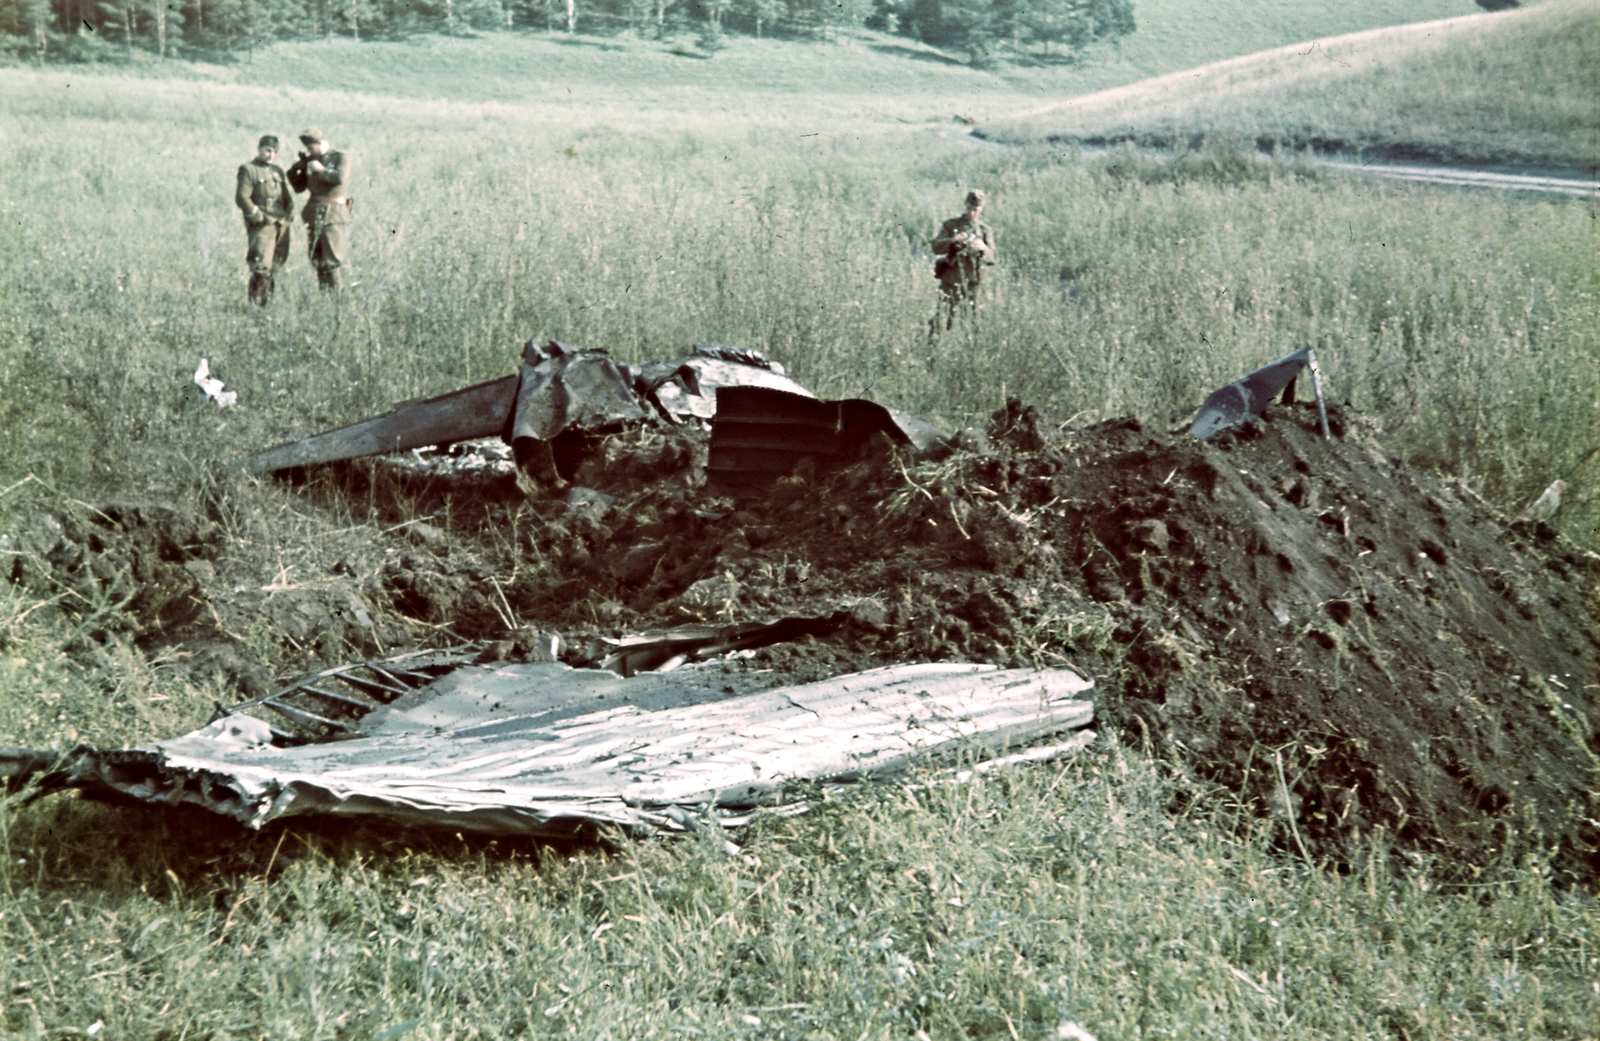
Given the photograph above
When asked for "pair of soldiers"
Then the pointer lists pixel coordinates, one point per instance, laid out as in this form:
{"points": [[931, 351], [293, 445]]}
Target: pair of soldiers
{"points": [[961, 250], [263, 196]]}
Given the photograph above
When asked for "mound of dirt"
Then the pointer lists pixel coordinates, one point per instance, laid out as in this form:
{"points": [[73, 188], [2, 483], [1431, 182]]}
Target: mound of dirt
{"points": [[1363, 652], [1357, 647]]}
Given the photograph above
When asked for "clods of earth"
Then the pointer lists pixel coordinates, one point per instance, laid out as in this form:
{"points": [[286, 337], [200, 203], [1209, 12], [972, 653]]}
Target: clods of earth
{"points": [[1364, 652]]}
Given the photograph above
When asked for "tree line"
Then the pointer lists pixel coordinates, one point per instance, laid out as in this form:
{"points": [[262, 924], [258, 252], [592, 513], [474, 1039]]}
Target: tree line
{"points": [[109, 30]]}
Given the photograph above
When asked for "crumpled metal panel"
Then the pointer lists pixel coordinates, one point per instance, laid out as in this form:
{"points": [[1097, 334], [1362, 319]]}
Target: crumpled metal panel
{"points": [[1248, 396], [687, 387], [563, 388], [532, 749]]}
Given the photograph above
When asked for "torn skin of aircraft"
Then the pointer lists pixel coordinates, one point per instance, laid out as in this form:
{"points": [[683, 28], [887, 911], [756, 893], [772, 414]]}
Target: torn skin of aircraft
{"points": [[542, 749], [1247, 397], [562, 393]]}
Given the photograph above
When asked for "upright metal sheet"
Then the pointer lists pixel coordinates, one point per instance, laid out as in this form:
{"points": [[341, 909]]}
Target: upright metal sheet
{"points": [[760, 434], [1247, 396]]}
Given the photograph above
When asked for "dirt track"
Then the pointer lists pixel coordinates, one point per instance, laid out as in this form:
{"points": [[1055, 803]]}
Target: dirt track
{"points": [[1539, 182], [1358, 648]]}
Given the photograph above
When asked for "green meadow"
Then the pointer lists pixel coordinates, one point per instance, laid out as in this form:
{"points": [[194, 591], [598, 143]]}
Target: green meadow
{"points": [[1517, 88], [780, 194]]}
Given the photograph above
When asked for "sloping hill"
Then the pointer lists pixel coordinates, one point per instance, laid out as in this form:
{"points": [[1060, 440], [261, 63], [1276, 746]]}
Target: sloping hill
{"points": [[1516, 87]]}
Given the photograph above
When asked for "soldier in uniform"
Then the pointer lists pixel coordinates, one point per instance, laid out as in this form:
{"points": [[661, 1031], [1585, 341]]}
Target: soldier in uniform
{"points": [[324, 173], [263, 197], [961, 250]]}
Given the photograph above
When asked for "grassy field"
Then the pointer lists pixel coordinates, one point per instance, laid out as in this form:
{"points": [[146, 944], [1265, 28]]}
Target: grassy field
{"points": [[1465, 323], [736, 204], [1517, 87]]}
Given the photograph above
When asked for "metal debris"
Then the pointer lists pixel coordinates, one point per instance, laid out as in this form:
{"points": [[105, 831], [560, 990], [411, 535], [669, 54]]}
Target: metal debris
{"points": [[1246, 398], [688, 388], [477, 411], [760, 434], [559, 390], [544, 748], [666, 649]]}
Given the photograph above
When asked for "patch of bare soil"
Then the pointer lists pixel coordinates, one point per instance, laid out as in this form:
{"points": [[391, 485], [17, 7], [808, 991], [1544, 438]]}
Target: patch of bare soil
{"points": [[1362, 651]]}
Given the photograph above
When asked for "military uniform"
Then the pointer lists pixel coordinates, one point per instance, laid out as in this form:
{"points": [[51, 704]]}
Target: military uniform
{"points": [[327, 211], [958, 263], [263, 197]]}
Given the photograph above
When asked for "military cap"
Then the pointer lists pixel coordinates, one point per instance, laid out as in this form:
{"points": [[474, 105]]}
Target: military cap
{"points": [[975, 197], [311, 135], [268, 141]]}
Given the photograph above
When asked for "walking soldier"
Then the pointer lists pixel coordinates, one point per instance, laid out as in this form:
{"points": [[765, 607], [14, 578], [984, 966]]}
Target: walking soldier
{"points": [[961, 250]]}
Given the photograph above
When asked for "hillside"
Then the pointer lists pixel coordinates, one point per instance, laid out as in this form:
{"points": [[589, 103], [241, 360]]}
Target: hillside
{"points": [[896, 76], [1516, 87]]}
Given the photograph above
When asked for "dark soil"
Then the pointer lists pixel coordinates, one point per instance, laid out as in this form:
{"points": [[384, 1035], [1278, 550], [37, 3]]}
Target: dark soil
{"points": [[1363, 652]]}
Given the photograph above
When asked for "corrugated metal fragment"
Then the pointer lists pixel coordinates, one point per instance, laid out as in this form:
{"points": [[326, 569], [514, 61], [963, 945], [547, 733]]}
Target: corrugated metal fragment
{"points": [[533, 749], [760, 434]]}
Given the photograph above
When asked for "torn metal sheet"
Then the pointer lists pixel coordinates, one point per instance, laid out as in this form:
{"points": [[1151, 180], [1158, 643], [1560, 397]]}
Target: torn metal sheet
{"points": [[1247, 397], [687, 388], [332, 702], [536, 749], [565, 388], [477, 411], [760, 434]]}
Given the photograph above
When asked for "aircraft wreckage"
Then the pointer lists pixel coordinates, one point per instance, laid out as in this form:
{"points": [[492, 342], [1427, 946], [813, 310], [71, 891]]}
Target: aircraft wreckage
{"points": [[654, 735], [762, 422], [543, 748]]}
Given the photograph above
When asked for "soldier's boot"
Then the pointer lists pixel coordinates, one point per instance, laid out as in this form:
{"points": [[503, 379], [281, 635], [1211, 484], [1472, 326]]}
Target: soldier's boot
{"points": [[271, 287], [260, 288], [330, 278]]}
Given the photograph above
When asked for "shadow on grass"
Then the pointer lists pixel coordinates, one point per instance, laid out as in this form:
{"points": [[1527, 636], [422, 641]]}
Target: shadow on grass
{"points": [[113, 845], [582, 41], [914, 54]]}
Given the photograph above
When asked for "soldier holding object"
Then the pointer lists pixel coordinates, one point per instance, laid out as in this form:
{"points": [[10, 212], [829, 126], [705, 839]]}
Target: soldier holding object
{"points": [[263, 197], [961, 250], [325, 174]]}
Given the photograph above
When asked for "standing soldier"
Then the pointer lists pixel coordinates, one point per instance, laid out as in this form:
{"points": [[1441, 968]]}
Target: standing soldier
{"points": [[263, 196], [325, 173], [961, 250]]}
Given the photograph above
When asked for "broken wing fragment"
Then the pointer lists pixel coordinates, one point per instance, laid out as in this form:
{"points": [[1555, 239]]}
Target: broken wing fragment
{"points": [[537, 749], [477, 411]]}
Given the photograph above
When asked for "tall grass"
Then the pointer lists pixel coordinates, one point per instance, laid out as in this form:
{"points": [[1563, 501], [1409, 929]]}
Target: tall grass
{"points": [[1465, 322]]}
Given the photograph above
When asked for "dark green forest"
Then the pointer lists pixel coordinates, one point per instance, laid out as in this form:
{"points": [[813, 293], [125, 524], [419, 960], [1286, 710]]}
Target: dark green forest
{"points": [[48, 31]]}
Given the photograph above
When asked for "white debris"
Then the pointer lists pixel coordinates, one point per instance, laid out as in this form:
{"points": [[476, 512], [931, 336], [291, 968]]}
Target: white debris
{"points": [[1545, 507], [212, 388]]}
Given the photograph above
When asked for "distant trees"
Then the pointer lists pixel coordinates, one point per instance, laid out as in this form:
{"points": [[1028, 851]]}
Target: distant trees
{"points": [[100, 30]]}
